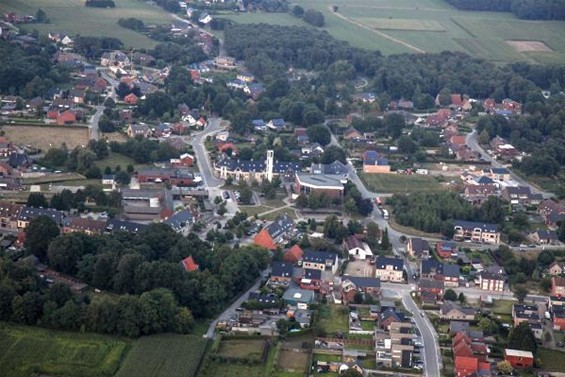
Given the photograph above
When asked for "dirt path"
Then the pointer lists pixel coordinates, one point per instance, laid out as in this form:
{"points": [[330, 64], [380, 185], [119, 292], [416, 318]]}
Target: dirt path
{"points": [[378, 32]]}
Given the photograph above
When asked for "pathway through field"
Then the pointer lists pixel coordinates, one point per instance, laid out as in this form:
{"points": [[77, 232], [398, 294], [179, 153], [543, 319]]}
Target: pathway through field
{"points": [[405, 44]]}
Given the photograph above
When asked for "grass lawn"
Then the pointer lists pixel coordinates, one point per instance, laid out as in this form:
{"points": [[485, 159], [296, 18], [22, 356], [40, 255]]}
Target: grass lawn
{"points": [[253, 210], [483, 255], [503, 309], [396, 183], [25, 351], [242, 348], [551, 361], [334, 318], [113, 160], [72, 17], [327, 358], [164, 355], [273, 215]]}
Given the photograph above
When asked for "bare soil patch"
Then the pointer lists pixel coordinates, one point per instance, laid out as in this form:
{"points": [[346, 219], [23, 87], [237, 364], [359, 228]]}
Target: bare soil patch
{"points": [[530, 46], [47, 137], [293, 361]]}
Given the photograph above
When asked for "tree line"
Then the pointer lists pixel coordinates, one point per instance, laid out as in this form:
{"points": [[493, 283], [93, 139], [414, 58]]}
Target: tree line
{"points": [[523, 9]]}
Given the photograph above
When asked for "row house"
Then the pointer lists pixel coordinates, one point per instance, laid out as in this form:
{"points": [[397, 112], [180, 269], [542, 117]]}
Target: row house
{"points": [[176, 177], [9, 213], [470, 355], [476, 232], [477, 194], [418, 248], [525, 313], [491, 281], [431, 290], [29, 213], [558, 286], [320, 260], [351, 285], [84, 225], [452, 311]]}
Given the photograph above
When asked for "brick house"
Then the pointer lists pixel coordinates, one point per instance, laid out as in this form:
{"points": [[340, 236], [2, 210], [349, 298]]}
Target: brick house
{"points": [[558, 286], [519, 358], [294, 255]]}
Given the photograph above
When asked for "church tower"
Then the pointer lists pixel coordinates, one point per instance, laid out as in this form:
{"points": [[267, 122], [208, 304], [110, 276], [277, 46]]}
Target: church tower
{"points": [[269, 165]]}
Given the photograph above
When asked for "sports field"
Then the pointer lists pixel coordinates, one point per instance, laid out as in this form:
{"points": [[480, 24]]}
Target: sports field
{"points": [[72, 17], [413, 26], [26, 351]]}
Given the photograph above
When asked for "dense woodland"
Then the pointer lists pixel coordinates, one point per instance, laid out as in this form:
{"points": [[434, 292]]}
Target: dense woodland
{"points": [[435, 212], [155, 293], [524, 9]]}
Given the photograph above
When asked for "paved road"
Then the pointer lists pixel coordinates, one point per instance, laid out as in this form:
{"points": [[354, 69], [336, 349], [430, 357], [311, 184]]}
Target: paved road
{"points": [[472, 141], [94, 130], [230, 311], [202, 158]]}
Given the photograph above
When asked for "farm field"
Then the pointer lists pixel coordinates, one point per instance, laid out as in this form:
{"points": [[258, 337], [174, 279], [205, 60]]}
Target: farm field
{"points": [[46, 137], [72, 17], [28, 350], [242, 348], [396, 183], [166, 355], [294, 362], [431, 26]]}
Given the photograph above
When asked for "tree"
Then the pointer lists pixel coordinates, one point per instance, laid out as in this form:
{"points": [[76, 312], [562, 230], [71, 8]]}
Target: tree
{"points": [[522, 338], [246, 195], [302, 201], [41, 16], [350, 372], [406, 145], [313, 17], [461, 298], [39, 234], [450, 295], [488, 326], [298, 11], [504, 367], [37, 200], [283, 325], [520, 292], [385, 242], [319, 133], [123, 178], [333, 153]]}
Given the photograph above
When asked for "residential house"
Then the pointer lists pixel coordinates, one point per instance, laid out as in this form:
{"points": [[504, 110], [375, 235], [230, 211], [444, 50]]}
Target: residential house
{"points": [[477, 194], [175, 177], [452, 311], [185, 160], [84, 225], [431, 289], [558, 286], [131, 99], [19, 160], [108, 182], [134, 130], [351, 134], [312, 150], [147, 204], [519, 358], [446, 250], [544, 237], [558, 316], [273, 233], [390, 316], [552, 211], [389, 269], [520, 195], [281, 272], [320, 260], [418, 247], [448, 273], [557, 268], [476, 232], [77, 96], [491, 281], [294, 255], [276, 124], [259, 125], [9, 213], [189, 264], [334, 168], [301, 135], [66, 117], [375, 163], [351, 285], [356, 248]]}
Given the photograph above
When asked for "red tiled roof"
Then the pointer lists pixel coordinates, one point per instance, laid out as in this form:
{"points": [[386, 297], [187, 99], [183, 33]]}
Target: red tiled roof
{"points": [[456, 100], [465, 365], [264, 239], [189, 264], [294, 254]]}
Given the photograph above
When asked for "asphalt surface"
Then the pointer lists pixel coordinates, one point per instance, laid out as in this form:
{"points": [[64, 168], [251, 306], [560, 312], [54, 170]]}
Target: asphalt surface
{"points": [[202, 158]]}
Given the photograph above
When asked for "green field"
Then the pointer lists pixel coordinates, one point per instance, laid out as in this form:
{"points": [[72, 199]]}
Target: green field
{"points": [[428, 25], [551, 361], [25, 351], [72, 17], [166, 355], [396, 183], [334, 318]]}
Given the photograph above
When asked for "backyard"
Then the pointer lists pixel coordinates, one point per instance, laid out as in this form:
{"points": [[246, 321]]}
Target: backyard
{"points": [[334, 318]]}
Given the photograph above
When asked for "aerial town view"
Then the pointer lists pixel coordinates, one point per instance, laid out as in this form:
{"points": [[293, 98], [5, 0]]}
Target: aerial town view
{"points": [[282, 188]]}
